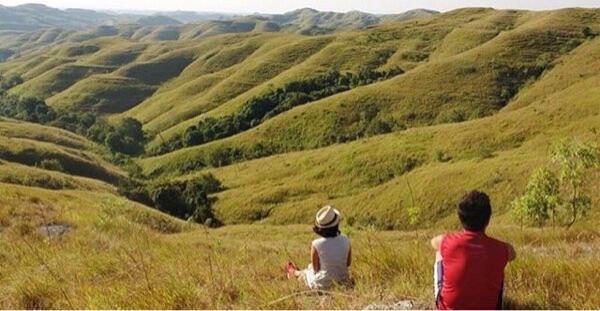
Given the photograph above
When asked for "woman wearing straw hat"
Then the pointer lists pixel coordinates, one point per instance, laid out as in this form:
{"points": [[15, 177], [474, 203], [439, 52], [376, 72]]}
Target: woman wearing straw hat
{"points": [[330, 254]]}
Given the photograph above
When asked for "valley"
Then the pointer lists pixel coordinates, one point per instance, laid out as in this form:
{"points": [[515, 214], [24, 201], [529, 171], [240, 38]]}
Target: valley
{"points": [[160, 143]]}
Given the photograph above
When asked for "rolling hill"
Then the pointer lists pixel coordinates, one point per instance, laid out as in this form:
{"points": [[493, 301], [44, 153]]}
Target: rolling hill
{"points": [[46, 157], [255, 122], [462, 83], [30, 17]]}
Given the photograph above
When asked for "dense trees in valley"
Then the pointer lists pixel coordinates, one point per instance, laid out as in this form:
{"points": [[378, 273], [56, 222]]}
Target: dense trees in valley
{"points": [[188, 199], [260, 108], [125, 137]]}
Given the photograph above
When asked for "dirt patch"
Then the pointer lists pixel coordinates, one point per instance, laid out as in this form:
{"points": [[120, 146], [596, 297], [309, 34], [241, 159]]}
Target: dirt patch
{"points": [[53, 231]]}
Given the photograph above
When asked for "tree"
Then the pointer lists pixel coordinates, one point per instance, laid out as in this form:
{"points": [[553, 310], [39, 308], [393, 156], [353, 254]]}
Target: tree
{"points": [[127, 137], [189, 199], [130, 127], [10, 81], [192, 136], [561, 197], [114, 141], [197, 201], [574, 159], [540, 200], [33, 109], [167, 198]]}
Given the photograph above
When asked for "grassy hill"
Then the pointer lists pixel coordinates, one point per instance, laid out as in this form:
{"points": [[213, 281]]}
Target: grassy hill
{"points": [[123, 255], [496, 153], [466, 75], [29, 17], [489, 76], [47, 157], [390, 123]]}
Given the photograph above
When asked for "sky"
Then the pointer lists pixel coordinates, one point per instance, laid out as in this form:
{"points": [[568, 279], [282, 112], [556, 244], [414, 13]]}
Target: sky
{"points": [[280, 6]]}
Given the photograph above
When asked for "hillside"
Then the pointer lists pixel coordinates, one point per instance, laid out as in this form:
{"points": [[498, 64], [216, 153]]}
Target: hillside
{"points": [[46, 157], [124, 255], [28, 17], [137, 158], [31, 17], [356, 113]]}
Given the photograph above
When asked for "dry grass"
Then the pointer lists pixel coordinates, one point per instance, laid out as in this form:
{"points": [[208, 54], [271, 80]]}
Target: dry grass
{"points": [[120, 255]]}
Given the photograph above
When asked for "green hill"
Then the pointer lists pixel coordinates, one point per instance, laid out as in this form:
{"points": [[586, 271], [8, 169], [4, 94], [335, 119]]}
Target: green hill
{"points": [[254, 122], [157, 20], [396, 83], [29, 17], [149, 260], [47, 157]]}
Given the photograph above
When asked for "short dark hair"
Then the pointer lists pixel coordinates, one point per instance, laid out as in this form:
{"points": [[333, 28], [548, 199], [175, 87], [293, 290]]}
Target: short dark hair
{"points": [[327, 232], [474, 210]]}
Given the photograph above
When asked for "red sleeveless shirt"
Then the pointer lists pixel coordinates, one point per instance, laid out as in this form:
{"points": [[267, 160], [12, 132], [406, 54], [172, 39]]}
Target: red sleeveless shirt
{"points": [[473, 271]]}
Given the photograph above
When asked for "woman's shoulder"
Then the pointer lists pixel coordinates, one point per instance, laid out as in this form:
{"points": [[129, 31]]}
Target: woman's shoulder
{"points": [[317, 241]]}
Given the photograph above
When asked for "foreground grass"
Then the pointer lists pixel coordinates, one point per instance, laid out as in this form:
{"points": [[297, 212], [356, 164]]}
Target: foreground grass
{"points": [[117, 254]]}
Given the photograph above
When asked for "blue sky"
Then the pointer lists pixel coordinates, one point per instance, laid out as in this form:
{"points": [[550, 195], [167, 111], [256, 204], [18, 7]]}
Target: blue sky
{"points": [[278, 6]]}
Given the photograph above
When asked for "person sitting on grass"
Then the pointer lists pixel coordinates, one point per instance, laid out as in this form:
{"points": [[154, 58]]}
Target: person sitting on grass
{"points": [[330, 254], [469, 266]]}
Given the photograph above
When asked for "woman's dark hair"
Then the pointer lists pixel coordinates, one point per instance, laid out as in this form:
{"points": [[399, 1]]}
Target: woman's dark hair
{"points": [[327, 232], [474, 211]]}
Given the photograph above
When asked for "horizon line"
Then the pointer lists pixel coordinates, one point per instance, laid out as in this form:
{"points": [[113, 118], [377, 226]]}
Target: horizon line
{"points": [[152, 11]]}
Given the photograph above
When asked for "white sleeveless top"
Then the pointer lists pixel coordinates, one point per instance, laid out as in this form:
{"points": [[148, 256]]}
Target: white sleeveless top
{"points": [[333, 257]]}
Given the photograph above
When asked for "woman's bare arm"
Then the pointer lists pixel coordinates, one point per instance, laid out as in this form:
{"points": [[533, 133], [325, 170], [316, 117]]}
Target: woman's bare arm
{"points": [[314, 257]]}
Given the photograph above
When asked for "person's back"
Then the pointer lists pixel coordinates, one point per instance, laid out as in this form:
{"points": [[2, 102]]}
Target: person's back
{"points": [[333, 258], [473, 269], [469, 269], [330, 254]]}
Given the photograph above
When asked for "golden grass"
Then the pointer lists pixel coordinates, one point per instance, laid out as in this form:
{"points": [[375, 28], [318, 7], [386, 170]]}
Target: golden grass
{"points": [[117, 254], [496, 153], [30, 144]]}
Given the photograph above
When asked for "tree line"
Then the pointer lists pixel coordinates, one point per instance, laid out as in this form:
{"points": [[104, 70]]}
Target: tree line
{"points": [[185, 199], [260, 108], [366, 122], [124, 137], [188, 199]]}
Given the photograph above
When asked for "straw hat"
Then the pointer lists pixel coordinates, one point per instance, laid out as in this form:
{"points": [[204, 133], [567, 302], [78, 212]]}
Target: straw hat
{"points": [[327, 217]]}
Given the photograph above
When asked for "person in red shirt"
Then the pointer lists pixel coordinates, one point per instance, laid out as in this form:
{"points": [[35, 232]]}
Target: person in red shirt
{"points": [[469, 267]]}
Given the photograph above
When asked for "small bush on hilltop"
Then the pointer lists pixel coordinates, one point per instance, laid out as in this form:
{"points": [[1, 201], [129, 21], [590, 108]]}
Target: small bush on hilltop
{"points": [[51, 164], [560, 197]]}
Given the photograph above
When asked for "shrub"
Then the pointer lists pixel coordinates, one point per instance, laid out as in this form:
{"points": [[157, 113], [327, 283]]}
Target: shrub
{"points": [[6, 54], [574, 159], [223, 156], [452, 116], [587, 32], [485, 152], [10, 81], [135, 191], [543, 198], [441, 156], [188, 199], [51, 164], [540, 200]]}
